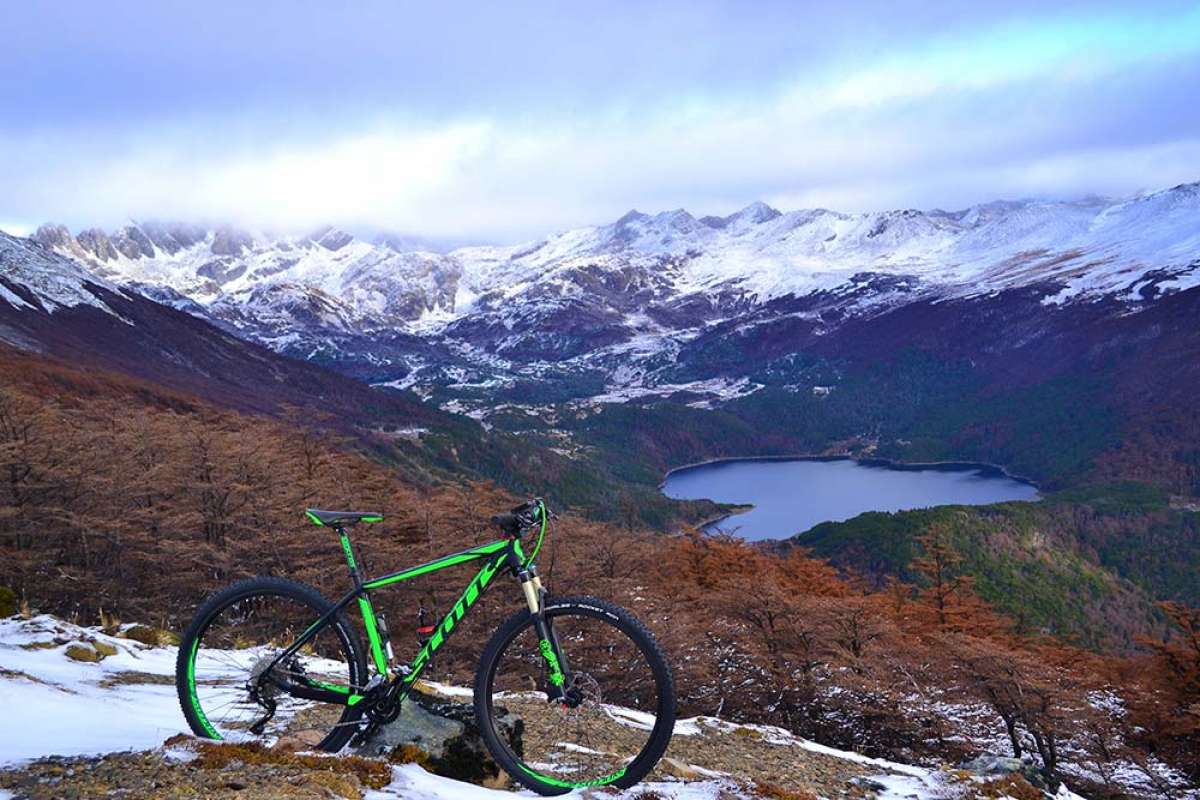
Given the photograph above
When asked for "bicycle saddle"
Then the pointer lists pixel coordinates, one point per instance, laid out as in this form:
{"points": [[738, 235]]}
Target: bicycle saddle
{"points": [[341, 518]]}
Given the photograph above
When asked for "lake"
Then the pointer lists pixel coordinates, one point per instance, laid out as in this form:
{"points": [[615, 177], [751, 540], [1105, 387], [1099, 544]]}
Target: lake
{"points": [[790, 496]]}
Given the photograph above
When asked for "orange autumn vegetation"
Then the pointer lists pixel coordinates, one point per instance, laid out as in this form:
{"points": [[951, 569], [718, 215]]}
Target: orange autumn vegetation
{"points": [[119, 497]]}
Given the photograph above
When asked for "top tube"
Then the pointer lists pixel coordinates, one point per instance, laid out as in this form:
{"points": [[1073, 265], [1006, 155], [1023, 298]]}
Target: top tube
{"points": [[462, 557]]}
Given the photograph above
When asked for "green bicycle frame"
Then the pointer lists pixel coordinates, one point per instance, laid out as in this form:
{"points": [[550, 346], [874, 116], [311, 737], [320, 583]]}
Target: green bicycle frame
{"points": [[496, 555]]}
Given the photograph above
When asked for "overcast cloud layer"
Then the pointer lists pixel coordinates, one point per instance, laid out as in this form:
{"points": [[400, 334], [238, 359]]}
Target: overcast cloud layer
{"points": [[506, 121]]}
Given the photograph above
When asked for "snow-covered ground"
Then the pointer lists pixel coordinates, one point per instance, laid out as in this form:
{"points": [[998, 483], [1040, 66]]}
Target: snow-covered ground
{"points": [[54, 705]]}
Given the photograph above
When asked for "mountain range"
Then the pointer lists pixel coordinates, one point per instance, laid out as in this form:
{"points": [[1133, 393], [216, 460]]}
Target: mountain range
{"points": [[1058, 340], [626, 299]]}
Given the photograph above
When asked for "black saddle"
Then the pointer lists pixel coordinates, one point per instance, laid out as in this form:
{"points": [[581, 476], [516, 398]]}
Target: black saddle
{"points": [[337, 519]]}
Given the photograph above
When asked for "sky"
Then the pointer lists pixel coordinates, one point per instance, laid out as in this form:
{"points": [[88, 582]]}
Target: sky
{"points": [[504, 121]]}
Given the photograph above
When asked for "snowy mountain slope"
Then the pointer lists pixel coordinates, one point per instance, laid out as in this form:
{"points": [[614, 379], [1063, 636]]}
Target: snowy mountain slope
{"points": [[604, 312], [51, 305], [129, 703], [983, 248], [1095, 245], [32, 278]]}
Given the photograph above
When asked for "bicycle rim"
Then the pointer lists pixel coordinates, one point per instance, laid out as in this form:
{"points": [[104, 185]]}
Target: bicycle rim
{"points": [[236, 647], [609, 719]]}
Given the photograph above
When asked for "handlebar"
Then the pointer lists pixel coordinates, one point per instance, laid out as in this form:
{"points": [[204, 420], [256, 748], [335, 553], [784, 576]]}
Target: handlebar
{"points": [[525, 516]]}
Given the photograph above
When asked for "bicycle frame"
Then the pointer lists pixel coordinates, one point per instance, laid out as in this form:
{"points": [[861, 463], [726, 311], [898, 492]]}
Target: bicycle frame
{"points": [[496, 555]]}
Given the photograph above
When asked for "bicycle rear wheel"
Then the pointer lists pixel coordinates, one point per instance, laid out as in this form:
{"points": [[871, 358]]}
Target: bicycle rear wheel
{"points": [[619, 713], [233, 640]]}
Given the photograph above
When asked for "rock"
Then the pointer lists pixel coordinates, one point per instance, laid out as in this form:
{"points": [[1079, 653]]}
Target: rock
{"points": [[104, 649], [441, 735], [677, 769], [870, 784], [81, 652], [335, 784], [143, 633], [988, 764], [991, 765]]}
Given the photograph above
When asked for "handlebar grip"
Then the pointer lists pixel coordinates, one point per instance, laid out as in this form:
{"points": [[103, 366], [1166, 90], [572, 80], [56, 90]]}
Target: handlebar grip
{"points": [[523, 516], [509, 523]]}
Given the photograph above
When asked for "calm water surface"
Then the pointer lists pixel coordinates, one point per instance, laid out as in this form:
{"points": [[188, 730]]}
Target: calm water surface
{"points": [[789, 497]]}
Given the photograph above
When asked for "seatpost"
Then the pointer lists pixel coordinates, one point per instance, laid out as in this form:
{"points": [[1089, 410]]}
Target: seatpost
{"points": [[349, 552]]}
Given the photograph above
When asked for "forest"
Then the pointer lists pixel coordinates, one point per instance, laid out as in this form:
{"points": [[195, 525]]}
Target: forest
{"points": [[124, 499]]}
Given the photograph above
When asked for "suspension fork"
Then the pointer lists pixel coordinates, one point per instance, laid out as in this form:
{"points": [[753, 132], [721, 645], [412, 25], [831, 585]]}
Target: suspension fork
{"points": [[555, 659]]}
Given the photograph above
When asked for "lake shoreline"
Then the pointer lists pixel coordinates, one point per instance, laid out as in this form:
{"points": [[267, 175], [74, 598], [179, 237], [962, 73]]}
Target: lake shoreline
{"points": [[983, 468], [869, 461], [740, 508]]}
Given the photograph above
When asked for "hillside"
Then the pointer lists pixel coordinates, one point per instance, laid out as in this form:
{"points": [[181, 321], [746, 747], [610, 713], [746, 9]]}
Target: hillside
{"points": [[129, 696], [919, 335], [138, 503], [1086, 567], [58, 317]]}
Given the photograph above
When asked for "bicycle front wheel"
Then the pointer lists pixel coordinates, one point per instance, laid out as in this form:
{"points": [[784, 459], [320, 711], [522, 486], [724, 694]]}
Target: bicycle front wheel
{"points": [[618, 710]]}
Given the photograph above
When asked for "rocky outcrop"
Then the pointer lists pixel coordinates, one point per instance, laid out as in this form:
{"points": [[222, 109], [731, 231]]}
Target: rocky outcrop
{"points": [[131, 242], [442, 734], [97, 245], [229, 241], [330, 238]]}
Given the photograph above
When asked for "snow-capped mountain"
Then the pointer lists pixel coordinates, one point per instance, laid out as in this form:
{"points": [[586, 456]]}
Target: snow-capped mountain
{"points": [[28, 279], [1092, 246], [53, 306], [626, 299]]}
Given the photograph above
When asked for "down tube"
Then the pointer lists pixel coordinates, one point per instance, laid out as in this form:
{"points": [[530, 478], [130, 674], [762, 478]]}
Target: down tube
{"points": [[455, 615]]}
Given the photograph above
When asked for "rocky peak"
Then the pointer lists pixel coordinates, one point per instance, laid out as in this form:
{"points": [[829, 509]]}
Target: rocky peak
{"points": [[97, 245], [132, 242], [229, 241], [171, 237], [632, 216], [54, 236], [330, 238], [756, 213]]}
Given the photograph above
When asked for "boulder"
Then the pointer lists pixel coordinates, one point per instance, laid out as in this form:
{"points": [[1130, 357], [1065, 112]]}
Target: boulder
{"points": [[104, 649], [443, 736], [144, 634], [988, 764], [81, 652]]}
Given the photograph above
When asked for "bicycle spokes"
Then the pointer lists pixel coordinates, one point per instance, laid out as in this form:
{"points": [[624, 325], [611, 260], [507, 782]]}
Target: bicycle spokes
{"points": [[588, 706], [241, 686]]}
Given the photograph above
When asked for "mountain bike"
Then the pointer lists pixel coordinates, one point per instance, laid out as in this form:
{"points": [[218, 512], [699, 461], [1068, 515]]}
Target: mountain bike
{"points": [[269, 659]]}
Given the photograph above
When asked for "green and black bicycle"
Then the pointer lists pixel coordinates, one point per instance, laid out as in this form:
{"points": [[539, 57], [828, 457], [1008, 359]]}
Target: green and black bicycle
{"points": [[271, 660]]}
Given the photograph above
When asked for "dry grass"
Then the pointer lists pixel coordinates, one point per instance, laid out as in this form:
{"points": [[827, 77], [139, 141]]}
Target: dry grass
{"points": [[373, 774], [770, 790]]}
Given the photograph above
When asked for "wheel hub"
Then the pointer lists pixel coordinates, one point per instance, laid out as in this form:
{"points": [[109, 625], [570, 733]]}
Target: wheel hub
{"points": [[262, 690], [581, 687]]}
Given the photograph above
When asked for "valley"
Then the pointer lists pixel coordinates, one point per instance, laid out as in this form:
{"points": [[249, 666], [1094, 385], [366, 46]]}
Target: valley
{"points": [[174, 395], [1055, 339]]}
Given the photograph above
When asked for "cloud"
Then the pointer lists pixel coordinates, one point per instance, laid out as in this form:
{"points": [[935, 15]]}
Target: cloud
{"points": [[1095, 104]]}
